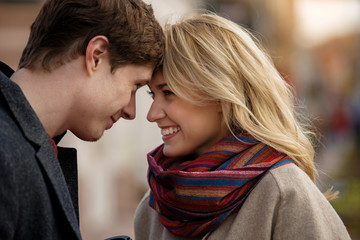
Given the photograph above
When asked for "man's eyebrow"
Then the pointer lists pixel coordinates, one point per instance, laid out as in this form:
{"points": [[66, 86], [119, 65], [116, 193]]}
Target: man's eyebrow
{"points": [[145, 81]]}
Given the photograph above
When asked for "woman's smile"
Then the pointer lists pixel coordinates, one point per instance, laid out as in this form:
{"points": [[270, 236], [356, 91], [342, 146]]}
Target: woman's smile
{"points": [[169, 132]]}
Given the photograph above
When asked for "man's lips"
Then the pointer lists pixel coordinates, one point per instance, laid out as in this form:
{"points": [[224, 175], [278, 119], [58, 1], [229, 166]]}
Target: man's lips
{"points": [[111, 122]]}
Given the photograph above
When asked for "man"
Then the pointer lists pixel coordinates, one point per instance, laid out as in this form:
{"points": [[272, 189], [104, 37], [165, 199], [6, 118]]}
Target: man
{"points": [[79, 71]]}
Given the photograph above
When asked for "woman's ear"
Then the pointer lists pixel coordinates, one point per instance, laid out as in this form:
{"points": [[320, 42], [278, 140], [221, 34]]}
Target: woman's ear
{"points": [[96, 53]]}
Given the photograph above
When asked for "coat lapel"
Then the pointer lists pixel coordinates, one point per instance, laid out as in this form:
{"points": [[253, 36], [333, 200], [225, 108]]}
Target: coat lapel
{"points": [[34, 131], [50, 163]]}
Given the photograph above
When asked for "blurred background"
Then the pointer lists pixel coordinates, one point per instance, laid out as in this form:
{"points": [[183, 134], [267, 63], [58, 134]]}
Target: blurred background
{"points": [[315, 45]]}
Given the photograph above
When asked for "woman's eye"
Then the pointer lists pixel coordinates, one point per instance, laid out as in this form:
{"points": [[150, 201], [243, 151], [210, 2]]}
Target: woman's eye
{"points": [[151, 93], [168, 92]]}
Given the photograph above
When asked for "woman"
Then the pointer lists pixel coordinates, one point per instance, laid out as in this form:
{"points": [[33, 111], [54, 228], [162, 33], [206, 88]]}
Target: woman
{"points": [[235, 163]]}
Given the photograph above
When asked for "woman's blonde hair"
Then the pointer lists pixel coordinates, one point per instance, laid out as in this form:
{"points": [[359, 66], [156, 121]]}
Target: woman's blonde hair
{"points": [[209, 58]]}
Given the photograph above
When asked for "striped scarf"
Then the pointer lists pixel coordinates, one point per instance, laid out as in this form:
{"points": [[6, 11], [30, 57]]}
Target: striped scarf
{"points": [[194, 196]]}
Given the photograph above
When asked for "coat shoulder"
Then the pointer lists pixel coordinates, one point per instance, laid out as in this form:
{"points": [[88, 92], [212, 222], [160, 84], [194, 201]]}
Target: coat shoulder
{"points": [[285, 204]]}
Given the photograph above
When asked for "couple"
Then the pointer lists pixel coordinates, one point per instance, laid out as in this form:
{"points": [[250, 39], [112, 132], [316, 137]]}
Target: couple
{"points": [[235, 163]]}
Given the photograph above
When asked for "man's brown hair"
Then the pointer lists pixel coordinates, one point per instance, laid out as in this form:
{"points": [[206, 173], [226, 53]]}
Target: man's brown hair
{"points": [[63, 29]]}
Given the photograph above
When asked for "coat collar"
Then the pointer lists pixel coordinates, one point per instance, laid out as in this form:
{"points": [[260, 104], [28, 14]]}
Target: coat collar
{"points": [[22, 110], [35, 133]]}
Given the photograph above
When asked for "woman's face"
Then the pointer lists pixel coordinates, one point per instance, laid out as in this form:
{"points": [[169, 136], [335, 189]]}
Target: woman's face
{"points": [[186, 128]]}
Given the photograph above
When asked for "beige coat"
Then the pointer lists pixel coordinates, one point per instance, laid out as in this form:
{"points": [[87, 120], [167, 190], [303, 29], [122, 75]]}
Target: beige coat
{"points": [[284, 205]]}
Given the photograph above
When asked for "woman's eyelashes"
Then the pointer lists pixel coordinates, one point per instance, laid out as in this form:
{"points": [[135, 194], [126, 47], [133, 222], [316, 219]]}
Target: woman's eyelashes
{"points": [[164, 92], [151, 93], [168, 92]]}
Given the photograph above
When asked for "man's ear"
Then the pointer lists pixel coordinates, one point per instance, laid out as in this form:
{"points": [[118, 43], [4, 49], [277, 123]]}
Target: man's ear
{"points": [[96, 53]]}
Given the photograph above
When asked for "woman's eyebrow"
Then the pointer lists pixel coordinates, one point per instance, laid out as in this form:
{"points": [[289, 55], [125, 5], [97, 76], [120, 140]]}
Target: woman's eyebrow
{"points": [[160, 86]]}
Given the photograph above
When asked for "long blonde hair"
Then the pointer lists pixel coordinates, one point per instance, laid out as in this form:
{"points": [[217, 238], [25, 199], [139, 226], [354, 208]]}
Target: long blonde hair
{"points": [[209, 58]]}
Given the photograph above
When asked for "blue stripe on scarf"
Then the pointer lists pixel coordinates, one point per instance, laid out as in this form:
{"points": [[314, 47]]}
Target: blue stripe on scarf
{"points": [[255, 155], [212, 182], [198, 198], [226, 164]]}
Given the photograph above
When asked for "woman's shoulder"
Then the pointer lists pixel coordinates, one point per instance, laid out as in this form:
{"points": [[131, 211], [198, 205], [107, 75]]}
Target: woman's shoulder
{"points": [[290, 191], [288, 180], [287, 205], [286, 183]]}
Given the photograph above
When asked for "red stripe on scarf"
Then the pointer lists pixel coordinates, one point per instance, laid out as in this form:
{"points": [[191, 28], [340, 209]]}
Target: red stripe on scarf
{"points": [[194, 196]]}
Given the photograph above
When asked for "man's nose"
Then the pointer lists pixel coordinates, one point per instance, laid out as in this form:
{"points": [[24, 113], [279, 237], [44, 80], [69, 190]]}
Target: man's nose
{"points": [[129, 111]]}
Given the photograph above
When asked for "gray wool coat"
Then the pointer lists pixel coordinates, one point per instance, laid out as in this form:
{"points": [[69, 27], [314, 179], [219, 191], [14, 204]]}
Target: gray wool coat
{"points": [[38, 190], [284, 205]]}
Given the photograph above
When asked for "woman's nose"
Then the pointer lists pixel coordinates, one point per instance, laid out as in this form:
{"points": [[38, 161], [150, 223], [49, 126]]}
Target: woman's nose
{"points": [[156, 112]]}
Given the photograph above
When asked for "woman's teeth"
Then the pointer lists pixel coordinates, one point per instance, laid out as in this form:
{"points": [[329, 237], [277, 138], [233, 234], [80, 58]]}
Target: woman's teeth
{"points": [[169, 131]]}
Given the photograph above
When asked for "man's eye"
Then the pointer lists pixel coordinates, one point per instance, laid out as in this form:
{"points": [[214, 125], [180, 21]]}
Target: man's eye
{"points": [[139, 85]]}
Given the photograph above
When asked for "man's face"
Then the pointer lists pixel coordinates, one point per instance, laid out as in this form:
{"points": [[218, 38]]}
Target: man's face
{"points": [[106, 98]]}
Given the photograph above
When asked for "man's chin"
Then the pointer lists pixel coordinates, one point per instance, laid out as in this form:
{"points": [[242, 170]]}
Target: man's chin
{"points": [[89, 137], [91, 140]]}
